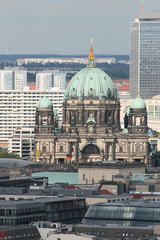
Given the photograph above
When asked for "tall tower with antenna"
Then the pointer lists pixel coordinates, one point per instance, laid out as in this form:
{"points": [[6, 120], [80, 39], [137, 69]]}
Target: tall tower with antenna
{"points": [[145, 54]]}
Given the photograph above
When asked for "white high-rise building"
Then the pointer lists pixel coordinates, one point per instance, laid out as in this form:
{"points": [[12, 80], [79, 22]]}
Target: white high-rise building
{"points": [[13, 79], [18, 108], [22, 142], [44, 81], [60, 80], [145, 55], [49, 80], [20, 79], [6, 80]]}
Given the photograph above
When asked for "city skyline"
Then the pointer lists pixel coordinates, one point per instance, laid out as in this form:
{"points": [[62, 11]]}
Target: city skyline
{"points": [[65, 27]]}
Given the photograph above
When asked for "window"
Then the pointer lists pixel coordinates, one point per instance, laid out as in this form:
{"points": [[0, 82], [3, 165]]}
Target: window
{"points": [[56, 216], [157, 108], [120, 149], [61, 206], [151, 108], [69, 214], [63, 215], [68, 205], [83, 176], [138, 120], [55, 206], [61, 148], [76, 213], [44, 149], [81, 203], [151, 114], [48, 207], [137, 149], [75, 204]]}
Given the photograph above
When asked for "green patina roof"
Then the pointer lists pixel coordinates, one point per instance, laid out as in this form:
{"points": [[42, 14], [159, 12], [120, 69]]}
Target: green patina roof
{"points": [[91, 119], [125, 130], [91, 82], [44, 102], [138, 102]]}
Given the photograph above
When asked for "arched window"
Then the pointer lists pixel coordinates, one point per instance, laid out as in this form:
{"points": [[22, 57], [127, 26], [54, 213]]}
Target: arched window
{"points": [[137, 149], [91, 149], [44, 149], [120, 149], [61, 149]]}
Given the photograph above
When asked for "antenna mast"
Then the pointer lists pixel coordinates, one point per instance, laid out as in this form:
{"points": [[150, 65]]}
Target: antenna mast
{"points": [[142, 7]]}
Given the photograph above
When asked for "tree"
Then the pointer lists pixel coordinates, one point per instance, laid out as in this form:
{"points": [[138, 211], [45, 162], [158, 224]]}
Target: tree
{"points": [[9, 155], [156, 133]]}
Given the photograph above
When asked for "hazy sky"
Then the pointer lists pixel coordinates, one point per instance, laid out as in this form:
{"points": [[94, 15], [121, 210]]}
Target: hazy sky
{"points": [[65, 26]]}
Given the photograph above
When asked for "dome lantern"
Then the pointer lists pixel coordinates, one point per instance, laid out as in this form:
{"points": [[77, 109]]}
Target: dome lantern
{"points": [[91, 57]]}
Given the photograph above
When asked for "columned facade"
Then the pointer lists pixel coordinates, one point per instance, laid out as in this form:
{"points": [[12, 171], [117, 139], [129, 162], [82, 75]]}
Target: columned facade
{"points": [[91, 123]]}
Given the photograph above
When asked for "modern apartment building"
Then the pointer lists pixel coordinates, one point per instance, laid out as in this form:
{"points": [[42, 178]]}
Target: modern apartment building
{"points": [[60, 80], [44, 81], [13, 79], [22, 142], [145, 55], [44, 61], [48, 80], [18, 108]]}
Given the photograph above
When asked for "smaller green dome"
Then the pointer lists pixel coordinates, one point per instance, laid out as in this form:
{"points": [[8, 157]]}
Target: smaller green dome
{"points": [[138, 102], [44, 102]]}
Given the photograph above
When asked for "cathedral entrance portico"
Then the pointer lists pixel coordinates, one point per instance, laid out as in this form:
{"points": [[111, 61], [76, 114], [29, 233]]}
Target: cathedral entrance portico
{"points": [[61, 160], [91, 153]]}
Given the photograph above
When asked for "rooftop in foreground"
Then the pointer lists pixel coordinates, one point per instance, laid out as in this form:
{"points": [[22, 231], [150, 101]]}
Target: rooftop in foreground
{"points": [[111, 164], [145, 203]]}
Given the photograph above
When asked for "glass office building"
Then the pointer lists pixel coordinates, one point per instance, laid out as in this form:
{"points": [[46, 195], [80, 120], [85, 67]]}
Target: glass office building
{"points": [[145, 55], [140, 213], [24, 211]]}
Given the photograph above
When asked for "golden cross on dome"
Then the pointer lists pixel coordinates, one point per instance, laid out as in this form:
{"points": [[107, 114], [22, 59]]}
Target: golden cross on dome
{"points": [[91, 41], [91, 55]]}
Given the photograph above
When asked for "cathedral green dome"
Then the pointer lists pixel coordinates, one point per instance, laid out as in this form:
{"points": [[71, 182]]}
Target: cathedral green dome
{"points": [[91, 82], [44, 102], [138, 102]]}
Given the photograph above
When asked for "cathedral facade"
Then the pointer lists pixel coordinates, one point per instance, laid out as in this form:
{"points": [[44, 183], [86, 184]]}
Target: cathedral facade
{"points": [[91, 129]]}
